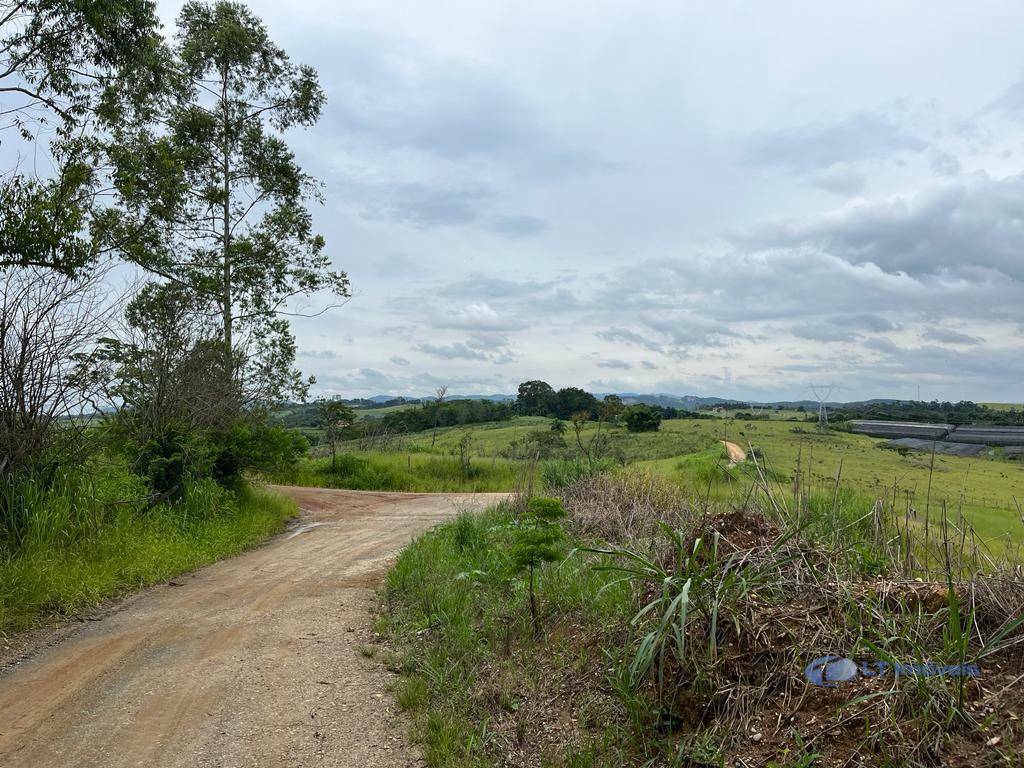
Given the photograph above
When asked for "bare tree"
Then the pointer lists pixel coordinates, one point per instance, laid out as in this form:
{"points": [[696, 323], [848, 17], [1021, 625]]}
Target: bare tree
{"points": [[47, 321], [160, 368]]}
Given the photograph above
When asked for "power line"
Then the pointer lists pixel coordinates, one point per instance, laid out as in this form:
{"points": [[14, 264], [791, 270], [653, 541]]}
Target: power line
{"points": [[822, 392]]}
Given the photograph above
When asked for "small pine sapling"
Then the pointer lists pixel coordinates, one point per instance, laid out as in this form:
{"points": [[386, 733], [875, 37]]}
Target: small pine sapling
{"points": [[540, 539]]}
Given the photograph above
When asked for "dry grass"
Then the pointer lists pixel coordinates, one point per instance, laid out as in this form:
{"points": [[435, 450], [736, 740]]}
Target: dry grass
{"points": [[619, 507], [729, 607]]}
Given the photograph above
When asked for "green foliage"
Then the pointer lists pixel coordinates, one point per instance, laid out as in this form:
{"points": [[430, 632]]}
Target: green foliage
{"points": [[557, 474], [254, 444], [536, 398], [701, 583], [335, 418], [611, 408], [572, 400], [642, 418], [447, 414], [963, 412], [539, 535], [678, 639], [44, 222], [65, 507], [62, 61], [170, 458], [539, 444], [418, 473], [539, 539], [457, 619]]}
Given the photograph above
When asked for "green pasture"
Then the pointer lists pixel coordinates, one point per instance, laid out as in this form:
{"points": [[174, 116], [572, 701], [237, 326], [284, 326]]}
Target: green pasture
{"points": [[985, 490]]}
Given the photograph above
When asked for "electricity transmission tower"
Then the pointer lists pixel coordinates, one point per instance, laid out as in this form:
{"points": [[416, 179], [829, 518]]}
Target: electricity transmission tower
{"points": [[822, 392]]}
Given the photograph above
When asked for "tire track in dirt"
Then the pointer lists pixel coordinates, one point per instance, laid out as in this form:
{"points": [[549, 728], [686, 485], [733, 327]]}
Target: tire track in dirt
{"points": [[253, 661]]}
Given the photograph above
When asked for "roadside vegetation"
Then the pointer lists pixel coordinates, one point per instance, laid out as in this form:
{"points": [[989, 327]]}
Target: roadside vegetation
{"points": [[130, 421], [676, 632], [420, 473], [63, 571]]}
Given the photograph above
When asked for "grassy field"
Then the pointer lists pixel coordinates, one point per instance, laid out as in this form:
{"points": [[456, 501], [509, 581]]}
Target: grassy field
{"points": [[985, 490]]}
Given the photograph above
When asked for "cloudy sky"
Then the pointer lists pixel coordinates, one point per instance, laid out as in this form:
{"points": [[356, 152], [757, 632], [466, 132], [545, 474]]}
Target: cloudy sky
{"points": [[726, 198]]}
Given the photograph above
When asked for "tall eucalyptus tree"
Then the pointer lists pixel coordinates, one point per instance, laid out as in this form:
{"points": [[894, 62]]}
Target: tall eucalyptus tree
{"points": [[213, 200]]}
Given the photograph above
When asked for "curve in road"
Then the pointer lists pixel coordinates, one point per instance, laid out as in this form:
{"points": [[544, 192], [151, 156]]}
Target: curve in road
{"points": [[253, 661]]}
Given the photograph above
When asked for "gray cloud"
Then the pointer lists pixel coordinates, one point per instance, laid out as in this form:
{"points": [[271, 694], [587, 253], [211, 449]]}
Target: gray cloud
{"points": [[483, 347], [840, 179], [629, 337], [563, 212], [457, 351], [615, 364], [319, 354], [944, 163], [825, 332], [396, 94], [947, 336], [487, 287], [963, 226], [940, 364], [1011, 103], [685, 329], [399, 360], [425, 206], [865, 322], [516, 227], [861, 136], [477, 316]]}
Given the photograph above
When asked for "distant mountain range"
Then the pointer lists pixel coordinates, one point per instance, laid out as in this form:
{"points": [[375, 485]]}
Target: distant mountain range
{"points": [[686, 402]]}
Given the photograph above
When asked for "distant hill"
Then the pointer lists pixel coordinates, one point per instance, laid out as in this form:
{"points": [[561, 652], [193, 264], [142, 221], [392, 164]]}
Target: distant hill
{"points": [[382, 399]]}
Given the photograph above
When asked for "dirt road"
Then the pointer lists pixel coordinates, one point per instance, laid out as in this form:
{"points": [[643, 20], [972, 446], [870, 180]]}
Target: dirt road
{"points": [[253, 661], [736, 454]]}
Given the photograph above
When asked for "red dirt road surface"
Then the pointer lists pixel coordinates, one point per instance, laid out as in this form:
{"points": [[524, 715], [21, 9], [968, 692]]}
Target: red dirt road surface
{"points": [[736, 454], [253, 661]]}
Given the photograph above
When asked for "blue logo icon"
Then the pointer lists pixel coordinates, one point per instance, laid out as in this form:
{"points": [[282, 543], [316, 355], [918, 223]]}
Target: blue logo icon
{"points": [[828, 671]]}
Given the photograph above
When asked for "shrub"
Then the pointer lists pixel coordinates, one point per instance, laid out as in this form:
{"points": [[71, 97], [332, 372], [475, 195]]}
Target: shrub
{"points": [[558, 474], [255, 445], [641, 418], [172, 457]]}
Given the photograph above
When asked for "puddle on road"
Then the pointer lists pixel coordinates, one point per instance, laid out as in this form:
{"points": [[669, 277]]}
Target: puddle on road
{"points": [[308, 527]]}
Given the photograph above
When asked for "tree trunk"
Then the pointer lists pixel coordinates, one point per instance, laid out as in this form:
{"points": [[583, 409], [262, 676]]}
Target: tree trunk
{"points": [[226, 296]]}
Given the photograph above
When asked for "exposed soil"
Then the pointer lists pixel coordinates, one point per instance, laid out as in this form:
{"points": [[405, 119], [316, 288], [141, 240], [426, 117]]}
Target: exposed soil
{"points": [[736, 454], [253, 661]]}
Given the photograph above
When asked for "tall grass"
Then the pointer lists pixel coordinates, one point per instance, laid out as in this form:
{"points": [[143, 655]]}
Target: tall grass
{"points": [[459, 615], [88, 538], [420, 473]]}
